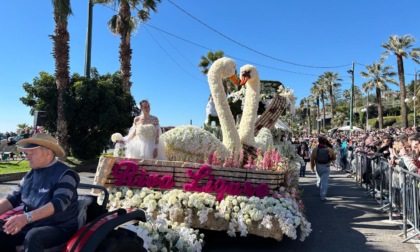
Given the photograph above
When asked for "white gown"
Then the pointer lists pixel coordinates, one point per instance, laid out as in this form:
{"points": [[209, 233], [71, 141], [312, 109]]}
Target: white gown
{"points": [[142, 145]]}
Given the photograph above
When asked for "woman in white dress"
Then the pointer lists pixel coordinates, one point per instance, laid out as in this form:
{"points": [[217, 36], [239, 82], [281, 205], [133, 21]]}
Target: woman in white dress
{"points": [[143, 138]]}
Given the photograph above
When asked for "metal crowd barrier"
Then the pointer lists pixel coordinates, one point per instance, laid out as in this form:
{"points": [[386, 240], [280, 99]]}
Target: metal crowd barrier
{"points": [[396, 190]]}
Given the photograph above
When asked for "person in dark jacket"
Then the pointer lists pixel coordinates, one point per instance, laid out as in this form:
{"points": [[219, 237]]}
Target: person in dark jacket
{"points": [[49, 196], [321, 157], [303, 152]]}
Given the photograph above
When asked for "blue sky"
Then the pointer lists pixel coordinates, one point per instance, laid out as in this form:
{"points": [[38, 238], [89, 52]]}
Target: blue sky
{"points": [[278, 37]]}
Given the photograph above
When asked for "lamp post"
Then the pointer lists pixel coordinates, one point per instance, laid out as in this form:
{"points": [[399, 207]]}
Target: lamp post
{"points": [[88, 45]]}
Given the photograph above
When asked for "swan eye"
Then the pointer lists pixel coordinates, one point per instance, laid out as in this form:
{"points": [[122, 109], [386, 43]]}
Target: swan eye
{"points": [[246, 74]]}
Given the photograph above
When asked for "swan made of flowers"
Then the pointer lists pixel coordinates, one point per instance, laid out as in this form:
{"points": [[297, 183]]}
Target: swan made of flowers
{"points": [[198, 138], [249, 76]]}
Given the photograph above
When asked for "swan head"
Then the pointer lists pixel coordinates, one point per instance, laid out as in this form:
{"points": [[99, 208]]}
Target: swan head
{"points": [[248, 73], [226, 68]]}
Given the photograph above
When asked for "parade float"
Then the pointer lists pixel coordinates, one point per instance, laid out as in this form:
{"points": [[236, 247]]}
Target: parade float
{"points": [[245, 184]]}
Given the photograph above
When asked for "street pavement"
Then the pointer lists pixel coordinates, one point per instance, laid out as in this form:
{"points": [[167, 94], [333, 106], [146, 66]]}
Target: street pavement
{"points": [[347, 221]]}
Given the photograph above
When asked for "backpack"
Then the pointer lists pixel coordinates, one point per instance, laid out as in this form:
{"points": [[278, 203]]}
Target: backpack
{"points": [[322, 156]]}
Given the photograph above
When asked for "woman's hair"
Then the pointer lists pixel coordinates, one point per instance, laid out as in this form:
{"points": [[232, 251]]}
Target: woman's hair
{"points": [[142, 102], [324, 140]]}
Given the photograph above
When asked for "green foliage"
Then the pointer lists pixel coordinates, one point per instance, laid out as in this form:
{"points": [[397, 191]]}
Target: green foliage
{"points": [[14, 166], [95, 108], [42, 96]]}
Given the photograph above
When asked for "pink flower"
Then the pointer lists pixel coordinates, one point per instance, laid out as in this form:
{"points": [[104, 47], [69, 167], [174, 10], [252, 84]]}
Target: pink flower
{"points": [[249, 163]]}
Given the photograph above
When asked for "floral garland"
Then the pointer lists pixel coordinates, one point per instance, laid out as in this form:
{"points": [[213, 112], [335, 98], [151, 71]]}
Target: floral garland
{"points": [[284, 208]]}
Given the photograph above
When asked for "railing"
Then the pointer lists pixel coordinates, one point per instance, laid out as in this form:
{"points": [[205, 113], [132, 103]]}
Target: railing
{"points": [[396, 190]]}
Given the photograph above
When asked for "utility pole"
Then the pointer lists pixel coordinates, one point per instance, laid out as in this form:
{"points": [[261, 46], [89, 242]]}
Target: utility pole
{"points": [[351, 96], [88, 48]]}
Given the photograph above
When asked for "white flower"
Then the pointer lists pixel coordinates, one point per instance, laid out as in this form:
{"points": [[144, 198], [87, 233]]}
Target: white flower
{"points": [[240, 211], [116, 137]]}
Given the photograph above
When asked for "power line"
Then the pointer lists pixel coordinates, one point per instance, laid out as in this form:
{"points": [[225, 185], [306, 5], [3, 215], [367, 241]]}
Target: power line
{"points": [[163, 49], [231, 56], [249, 48]]}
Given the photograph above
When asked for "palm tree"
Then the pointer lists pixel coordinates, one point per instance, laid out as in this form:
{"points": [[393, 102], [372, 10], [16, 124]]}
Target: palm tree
{"points": [[320, 88], [208, 60], [305, 102], [61, 49], [347, 95], [358, 96], [123, 25], [379, 76], [331, 79], [316, 97], [399, 46]]}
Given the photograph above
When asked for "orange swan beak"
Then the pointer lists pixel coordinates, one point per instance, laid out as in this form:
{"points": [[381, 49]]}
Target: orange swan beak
{"points": [[234, 80]]}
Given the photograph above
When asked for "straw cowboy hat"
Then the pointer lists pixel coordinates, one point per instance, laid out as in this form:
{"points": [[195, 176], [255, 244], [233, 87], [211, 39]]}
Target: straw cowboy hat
{"points": [[44, 140]]}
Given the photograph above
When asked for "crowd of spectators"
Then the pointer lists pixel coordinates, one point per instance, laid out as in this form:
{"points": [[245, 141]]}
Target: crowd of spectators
{"points": [[397, 146], [9, 140]]}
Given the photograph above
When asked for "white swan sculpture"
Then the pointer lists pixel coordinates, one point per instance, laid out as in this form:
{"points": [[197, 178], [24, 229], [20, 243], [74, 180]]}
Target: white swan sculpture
{"points": [[186, 142], [249, 76]]}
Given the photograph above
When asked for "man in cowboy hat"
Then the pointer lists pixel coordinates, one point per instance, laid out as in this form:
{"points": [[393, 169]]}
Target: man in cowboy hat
{"points": [[48, 193]]}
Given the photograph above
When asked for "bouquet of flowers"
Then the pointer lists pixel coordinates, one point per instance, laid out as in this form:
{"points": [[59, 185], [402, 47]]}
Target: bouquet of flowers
{"points": [[119, 148]]}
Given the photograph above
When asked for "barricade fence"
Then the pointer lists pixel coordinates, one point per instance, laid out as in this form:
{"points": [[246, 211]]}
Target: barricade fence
{"points": [[396, 189]]}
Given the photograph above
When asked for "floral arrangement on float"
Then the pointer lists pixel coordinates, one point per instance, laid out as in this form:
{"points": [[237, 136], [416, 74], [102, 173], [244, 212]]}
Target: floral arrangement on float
{"points": [[163, 235], [280, 212], [189, 143]]}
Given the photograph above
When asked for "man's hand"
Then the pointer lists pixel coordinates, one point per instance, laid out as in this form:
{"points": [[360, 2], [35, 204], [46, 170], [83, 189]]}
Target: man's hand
{"points": [[14, 224]]}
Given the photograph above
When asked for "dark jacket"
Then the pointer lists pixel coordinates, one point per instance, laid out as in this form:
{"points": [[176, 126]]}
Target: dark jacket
{"points": [[315, 152]]}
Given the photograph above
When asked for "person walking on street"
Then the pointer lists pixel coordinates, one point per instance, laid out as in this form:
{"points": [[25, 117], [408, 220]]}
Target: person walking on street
{"points": [[321, 157]]}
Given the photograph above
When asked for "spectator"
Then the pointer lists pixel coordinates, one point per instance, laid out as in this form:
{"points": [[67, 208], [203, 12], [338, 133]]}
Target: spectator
{"points": [[303, 152], [321, 157]]}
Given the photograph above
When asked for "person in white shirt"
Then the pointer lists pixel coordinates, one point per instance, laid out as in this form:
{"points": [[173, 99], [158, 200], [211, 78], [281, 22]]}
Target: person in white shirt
{"points": [[211, 113]]}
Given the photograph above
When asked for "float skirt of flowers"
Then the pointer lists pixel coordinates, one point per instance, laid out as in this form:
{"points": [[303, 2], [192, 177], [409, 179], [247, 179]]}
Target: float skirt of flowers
{"points": [[267, 217]]}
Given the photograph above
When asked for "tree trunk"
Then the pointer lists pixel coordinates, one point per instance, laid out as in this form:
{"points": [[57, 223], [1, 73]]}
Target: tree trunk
{"points": [[380, 109], [323, 111], [318, 113], [330, 90], [125, 46], [402, 90], [61, 55], [309, 119]]}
